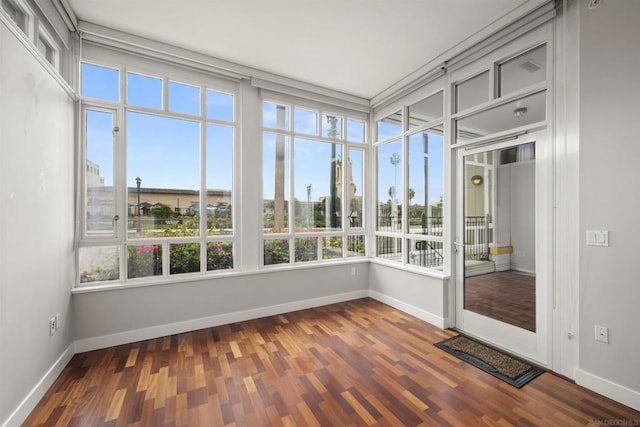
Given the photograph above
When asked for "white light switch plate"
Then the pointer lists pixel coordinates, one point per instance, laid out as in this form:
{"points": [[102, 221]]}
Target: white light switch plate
{"points": [[597, 238]]}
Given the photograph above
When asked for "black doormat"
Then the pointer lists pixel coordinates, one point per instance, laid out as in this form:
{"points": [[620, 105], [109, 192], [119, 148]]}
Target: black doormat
{"points": [[500, 365]]}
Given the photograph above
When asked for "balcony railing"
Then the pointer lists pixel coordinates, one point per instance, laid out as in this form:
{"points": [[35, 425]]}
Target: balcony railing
{"points": [[478, 233], [427, 253]]}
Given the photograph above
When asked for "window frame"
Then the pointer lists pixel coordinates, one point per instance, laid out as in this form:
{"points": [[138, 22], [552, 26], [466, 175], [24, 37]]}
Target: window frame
{"points": [[29, 17], [120, 109], [44, 37], [346, 231], [403, 236]]}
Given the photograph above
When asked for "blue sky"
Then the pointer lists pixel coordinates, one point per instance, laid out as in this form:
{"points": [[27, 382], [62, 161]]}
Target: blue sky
{"points": [[164, 152]]}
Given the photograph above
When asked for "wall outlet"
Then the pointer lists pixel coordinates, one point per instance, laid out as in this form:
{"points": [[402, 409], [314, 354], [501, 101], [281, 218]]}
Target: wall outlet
{"points": [[52, 326], [602, 334], [353, 271], [57, 321]]}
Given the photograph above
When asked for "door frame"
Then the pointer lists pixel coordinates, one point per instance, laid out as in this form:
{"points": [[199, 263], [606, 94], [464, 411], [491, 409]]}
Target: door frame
{"points": [[536, 346]]}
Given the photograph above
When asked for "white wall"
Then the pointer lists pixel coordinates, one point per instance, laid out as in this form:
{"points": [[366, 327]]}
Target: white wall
{"points": [[112, 317], [522, 215], [609, 196], [36, 220], [417, 294]]}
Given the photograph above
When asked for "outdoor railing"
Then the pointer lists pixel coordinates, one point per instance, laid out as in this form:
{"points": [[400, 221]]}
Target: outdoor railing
{"points": [[477, 235], [427, 253]]}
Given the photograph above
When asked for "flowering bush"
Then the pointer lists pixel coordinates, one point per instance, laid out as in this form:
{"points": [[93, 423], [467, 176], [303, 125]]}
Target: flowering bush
{"points": [[219, 255], [276, 251]]}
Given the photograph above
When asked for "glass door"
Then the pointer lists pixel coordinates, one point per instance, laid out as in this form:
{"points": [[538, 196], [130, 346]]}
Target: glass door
{"points": [[500, 293]]}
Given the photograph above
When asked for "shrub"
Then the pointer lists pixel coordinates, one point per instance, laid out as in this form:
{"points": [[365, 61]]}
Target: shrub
{"points": [[219, 255], [144, 260]]}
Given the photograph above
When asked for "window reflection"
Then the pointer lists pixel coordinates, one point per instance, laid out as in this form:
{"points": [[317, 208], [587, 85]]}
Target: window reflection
{"points": [[389, 126], [426, 110]]}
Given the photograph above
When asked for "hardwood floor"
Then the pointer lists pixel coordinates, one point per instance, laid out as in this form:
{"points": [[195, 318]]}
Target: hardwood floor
{"points": [[350, 364], [507, 296]]}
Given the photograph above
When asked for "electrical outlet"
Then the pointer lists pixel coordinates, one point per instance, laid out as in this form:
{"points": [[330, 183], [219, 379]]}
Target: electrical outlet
{"points": [[57, 321], [52, 326], [353, 271], [602, 334]]}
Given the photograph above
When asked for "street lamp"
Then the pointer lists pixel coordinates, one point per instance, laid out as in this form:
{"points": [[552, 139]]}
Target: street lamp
{"points": [[395, 159], [138, 182], [308, 206]]}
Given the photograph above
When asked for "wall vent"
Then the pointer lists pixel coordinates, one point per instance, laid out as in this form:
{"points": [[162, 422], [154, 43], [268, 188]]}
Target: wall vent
{"points": [[530, 66]]}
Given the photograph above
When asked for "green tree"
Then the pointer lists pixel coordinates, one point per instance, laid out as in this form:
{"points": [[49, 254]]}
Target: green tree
{"points": [[162, 212]]}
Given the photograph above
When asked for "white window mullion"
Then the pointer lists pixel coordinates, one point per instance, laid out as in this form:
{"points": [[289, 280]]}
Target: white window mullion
{"points": [[120, 179], [405, 193], [291, 205], [203, 193], [165, 94]]}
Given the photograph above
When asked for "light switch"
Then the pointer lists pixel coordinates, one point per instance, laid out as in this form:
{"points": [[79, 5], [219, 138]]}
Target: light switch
{"points": [[597, 238]]}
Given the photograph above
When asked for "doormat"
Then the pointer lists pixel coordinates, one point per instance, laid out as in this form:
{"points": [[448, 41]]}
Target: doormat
{"points": [[500, 365]]}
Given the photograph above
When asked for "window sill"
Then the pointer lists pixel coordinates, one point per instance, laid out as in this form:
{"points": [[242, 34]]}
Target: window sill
{"points": [[411, 269]]}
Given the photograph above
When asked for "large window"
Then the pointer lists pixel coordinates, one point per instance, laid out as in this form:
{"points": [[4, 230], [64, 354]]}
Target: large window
{"points": [[313, 178], [410, 184], [157, 177]]}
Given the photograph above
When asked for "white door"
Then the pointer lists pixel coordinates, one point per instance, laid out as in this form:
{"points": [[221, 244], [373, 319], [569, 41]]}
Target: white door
{"points": [[503, 244]]}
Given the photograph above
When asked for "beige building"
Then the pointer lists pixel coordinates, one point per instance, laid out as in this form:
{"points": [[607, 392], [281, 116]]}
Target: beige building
{"points": [[184, 202]]}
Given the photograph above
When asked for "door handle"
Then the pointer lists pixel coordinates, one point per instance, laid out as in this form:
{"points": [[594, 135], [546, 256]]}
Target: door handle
{"points": [[457, 245]]}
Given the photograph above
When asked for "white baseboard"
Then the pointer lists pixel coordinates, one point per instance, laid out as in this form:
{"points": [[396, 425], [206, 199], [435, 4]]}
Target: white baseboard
{"points": [[410, 309], [25, 407], [614, 391], [126, 337]]}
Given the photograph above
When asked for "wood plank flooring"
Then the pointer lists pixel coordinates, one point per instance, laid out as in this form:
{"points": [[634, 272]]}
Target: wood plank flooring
{"points": [[507, 296], [358, 363]]}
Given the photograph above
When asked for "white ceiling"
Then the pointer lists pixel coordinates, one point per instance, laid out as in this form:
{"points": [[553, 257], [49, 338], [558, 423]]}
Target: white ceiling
{"points": [[360, 47]]}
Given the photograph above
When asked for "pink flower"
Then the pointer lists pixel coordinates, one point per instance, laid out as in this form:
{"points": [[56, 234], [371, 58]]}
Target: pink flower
{"points": [[146, 248]]}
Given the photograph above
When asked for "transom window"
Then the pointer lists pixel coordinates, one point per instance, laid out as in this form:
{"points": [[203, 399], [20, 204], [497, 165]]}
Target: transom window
{"points": [[158, 186], [313, 179]]}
